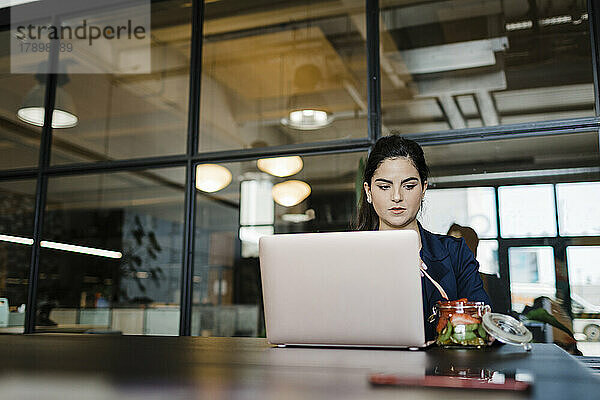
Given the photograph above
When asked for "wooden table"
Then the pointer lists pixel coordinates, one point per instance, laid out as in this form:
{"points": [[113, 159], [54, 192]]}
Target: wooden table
{"points": [[111, 367]]}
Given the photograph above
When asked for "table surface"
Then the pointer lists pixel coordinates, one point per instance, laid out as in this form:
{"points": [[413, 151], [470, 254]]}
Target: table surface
{"points": [[110, 367]]}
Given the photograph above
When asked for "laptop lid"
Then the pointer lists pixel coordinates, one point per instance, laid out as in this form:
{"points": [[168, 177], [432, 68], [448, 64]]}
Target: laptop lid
{"points": [[343, 288]]}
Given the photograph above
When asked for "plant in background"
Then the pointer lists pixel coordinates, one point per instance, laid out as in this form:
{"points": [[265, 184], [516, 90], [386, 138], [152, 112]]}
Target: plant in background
{"points": [[538, 313], [142, 254], [541, 315]]}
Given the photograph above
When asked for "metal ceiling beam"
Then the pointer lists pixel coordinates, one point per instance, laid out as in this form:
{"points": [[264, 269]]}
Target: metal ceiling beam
{"points": [[452, 112], [487, 108]]}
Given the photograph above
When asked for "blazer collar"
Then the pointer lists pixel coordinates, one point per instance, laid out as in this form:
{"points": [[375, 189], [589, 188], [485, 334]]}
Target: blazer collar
{"points": [[431, 247], [433, 253]]}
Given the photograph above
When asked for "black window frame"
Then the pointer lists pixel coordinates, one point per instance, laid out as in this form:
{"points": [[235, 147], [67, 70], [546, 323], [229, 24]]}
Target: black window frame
{"points": [[191, 157]]}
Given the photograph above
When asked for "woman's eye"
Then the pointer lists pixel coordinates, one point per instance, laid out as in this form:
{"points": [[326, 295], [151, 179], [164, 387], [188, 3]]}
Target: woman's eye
{"points": [[384, 187], [410, 187]]}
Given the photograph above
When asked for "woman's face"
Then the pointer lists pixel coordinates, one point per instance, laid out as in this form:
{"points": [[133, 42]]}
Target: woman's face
{"points": [[396, 192]]}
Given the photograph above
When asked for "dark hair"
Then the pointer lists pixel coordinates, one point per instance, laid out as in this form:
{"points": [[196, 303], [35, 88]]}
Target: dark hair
{"points": [[467, 233], [393, 146]]}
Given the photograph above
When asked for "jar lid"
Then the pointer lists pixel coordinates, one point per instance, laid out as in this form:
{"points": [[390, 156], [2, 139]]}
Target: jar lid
{"points": [[507, 329]]}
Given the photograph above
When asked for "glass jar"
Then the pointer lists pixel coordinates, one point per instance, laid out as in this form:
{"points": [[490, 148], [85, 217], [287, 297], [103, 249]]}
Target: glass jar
{"points": [[459, 323], [471, 324]]}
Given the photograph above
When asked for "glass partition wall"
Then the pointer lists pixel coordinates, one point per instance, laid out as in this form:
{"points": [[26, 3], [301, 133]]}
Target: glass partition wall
{"points": [[277, 73], [111, 252], [315, 194], [143, 217], [17, 200], [458, 64]]}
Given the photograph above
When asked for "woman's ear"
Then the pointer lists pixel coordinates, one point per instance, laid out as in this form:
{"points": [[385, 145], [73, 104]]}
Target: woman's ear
{"points": [[424, 188], [367, 191]]}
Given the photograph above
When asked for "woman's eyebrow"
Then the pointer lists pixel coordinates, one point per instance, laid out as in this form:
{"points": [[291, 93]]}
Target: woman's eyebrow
{"points": [[413, 178]]}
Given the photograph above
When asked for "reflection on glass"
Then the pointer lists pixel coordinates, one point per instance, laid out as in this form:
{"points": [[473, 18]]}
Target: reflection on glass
{"points": [[487, 255], [584, 277], [227, 296], [257, 212], [584, 280], [462, 64], [575, 216], [19, 141], [472, 207], [509, 161], [111, 253], [17, 202], [212, 177], [532, 274], [527, 211], [130, 96], [282, 73]]}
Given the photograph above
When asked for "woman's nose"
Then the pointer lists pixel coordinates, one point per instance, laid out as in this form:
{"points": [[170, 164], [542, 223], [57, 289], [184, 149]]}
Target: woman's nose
{"points": [[396, 195]]}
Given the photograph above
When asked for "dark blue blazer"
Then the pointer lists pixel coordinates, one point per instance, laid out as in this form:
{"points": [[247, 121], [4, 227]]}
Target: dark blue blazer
{"points": [[452, 264]]}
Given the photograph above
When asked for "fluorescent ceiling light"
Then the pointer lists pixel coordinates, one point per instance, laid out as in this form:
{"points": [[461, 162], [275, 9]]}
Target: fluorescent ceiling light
{"points": [[16, 239], [558, 20], [561, 19], [63, 246], [280, 166], [515, 26], [81, 249]]}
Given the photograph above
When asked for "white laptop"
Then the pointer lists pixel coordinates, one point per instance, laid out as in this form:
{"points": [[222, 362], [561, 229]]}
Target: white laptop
{"points": [[343, 289]]}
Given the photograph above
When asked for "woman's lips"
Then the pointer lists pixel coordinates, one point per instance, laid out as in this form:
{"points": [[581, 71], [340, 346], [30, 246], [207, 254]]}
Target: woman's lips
{"points": [[397, 210]]}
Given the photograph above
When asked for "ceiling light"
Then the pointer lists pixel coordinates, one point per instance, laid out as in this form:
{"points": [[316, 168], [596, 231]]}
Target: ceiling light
{"points": [[297, 218], [63, 246], [307, 119], [280, 166], [515, 26], [212, 177], [16, 239], [32, 110], [81, 249], [290, 193]]}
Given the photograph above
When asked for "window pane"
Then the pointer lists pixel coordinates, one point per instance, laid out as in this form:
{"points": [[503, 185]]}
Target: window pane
{"points": [[533, 159], [130, 96], [17, 203], [575, 216], [472, 207], [584, 280], [19, 140], [111, 253], [532, 274], [527, 211], [487, 255], [263, 62], [230, 221], [461, 64]]}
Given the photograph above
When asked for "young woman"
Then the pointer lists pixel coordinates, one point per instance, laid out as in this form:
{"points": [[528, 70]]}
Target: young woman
{"points": [[395, 181]]}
